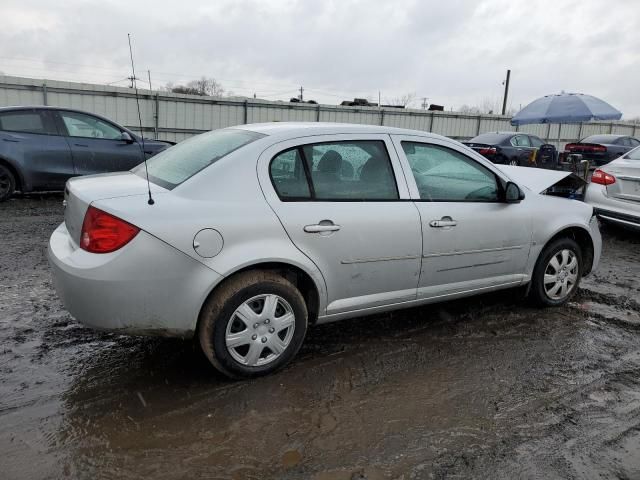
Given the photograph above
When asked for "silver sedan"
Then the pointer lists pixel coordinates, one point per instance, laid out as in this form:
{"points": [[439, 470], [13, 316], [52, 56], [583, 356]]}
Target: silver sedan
{"points": [[614, 190], [247, 236]]}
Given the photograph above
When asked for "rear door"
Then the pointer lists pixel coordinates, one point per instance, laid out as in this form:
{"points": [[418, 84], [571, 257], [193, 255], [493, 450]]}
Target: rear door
{"points": [[344, 203], [97, 145], [471, 240], [30, 140]]}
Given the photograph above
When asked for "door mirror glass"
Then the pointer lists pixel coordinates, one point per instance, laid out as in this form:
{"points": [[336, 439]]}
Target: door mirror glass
{"points": [[512, 193], [126, 137]]}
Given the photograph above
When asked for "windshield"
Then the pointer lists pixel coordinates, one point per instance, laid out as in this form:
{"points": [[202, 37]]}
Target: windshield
{"points": [[490, 138], [633, 154], [173, 166]]}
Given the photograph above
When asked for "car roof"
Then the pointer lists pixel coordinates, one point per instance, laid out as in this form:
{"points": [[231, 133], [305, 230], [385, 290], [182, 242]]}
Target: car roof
{"points": [[295, 129], [611, 135]]}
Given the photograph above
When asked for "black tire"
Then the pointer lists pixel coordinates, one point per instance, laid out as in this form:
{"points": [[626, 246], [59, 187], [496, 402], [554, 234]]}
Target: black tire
{"points": [[7, 183], [538, 294], [513, 162], [219, 310]]}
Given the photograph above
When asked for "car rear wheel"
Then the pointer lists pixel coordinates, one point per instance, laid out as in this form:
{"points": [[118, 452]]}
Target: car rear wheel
{"points": [[253, 325], [7, 183], [557, 273]]}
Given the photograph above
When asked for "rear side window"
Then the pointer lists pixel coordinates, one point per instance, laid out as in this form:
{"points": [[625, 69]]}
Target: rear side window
{"points": [[26, 121], [174, 165], [520, 141], [358, 170], [288, 176]]}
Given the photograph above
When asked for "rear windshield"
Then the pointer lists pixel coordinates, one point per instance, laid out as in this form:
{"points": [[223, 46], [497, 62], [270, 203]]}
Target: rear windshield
{"points": [[633, 154], [599, 139], [490, 138], [173, 166]]}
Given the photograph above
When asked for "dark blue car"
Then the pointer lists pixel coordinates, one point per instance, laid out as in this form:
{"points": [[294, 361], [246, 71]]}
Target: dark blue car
{"points": [[42, 147]]}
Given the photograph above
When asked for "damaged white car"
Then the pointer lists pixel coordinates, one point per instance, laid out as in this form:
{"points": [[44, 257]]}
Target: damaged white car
{"points": [[258, 232]]}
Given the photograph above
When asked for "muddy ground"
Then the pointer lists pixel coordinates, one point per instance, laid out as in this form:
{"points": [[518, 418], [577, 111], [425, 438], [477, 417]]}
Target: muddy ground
{"points": [[485, 388]]}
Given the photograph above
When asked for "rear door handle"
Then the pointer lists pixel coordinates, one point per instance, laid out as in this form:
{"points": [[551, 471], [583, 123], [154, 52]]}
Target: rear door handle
{"points": [[321, 228], [445, 222], [81, 145]]}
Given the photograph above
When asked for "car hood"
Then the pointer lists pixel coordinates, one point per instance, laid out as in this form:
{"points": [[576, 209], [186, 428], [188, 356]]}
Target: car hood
{"points": [[540, 180]]}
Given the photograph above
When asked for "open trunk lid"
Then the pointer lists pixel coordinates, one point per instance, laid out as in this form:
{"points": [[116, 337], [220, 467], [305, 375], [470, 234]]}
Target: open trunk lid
{"points": [[550, 182], [80, 192]]}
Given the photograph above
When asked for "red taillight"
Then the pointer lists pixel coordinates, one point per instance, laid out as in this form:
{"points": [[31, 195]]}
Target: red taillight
{"points": [[599, 148], [104, 233], [570, 147], [487, 151], [602, 178]]}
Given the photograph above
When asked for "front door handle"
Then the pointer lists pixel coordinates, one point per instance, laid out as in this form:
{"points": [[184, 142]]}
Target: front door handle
{"points": [[443, 222], [326, 226]]}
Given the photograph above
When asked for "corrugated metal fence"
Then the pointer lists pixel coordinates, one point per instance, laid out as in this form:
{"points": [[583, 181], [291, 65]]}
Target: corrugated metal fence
{"points": [[174, 117]]}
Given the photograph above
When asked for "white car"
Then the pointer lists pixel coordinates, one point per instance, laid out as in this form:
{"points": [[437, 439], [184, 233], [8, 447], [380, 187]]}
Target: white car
{"points": [[614, 190], [259, 231]]}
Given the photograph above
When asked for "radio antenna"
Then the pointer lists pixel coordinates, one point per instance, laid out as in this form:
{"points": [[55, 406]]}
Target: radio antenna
{"points": [[135, 86]]}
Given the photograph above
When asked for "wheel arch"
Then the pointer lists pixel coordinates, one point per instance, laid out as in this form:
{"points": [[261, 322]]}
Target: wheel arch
{"points": [[583, 238], [300, 278]]}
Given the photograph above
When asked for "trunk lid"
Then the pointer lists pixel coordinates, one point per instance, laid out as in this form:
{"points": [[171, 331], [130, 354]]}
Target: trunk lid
{"points": [[550, 182], [627, 184], [80, 192]]}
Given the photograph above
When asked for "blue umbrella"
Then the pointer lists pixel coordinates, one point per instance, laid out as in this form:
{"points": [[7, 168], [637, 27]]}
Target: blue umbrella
{"points": [[566, 108]]}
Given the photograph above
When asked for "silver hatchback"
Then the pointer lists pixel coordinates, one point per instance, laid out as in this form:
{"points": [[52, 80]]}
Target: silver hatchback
{"points": [[258, 232]]}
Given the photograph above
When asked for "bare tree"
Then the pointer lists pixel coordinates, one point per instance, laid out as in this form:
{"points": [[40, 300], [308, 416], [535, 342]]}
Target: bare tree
{"points": [[203, 87], [403, 100]]}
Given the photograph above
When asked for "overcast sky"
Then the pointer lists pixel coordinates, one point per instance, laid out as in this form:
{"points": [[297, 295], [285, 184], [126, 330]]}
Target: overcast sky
{"points": [[454, 52]]}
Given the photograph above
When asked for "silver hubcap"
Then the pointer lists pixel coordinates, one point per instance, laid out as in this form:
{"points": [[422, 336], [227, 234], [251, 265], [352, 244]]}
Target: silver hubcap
{"points": [[561, 274], [513, 162], [260, 330]]}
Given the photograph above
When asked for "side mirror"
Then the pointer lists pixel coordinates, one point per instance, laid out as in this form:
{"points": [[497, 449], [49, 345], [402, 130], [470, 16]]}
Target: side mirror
{"points": [[125, 137], [512, 193]]}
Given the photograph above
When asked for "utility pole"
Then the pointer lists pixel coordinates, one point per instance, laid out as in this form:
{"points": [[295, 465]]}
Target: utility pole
{"points": [[424, 102], [132, 79], [149, 75], [506, 92], [301, 97]]}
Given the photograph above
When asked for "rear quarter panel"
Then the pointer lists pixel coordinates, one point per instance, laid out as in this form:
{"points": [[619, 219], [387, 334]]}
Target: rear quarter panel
{"points": [[226, 197]]}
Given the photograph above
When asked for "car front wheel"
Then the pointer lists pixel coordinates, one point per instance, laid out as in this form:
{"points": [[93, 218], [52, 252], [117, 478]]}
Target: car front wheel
{"points": [[253, 325], [557, 273], [514, 162]]}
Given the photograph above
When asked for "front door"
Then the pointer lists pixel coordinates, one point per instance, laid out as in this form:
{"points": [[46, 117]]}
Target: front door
{"points": [[97, 146], [344, 203], [471, 239]]}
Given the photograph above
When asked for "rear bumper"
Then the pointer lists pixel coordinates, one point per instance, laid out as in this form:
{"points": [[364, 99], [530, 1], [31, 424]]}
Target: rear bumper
{"points": [[610, 209], [147, 287]]}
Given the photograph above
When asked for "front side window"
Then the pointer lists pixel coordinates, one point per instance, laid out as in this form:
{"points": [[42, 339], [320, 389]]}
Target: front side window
{"points": [[172, 166], [81, 125], [445, 175], [536, 142], [25, 121]]}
